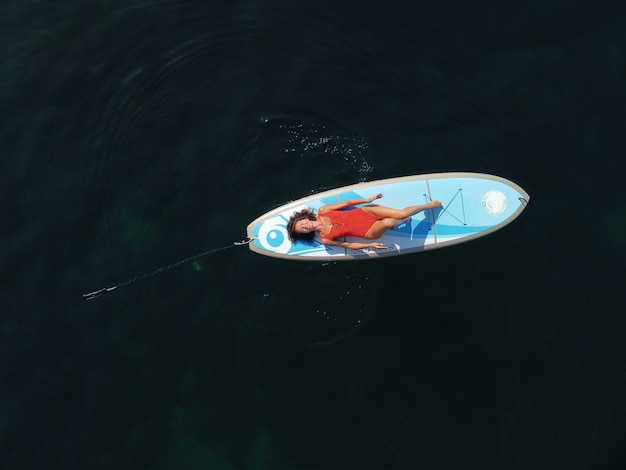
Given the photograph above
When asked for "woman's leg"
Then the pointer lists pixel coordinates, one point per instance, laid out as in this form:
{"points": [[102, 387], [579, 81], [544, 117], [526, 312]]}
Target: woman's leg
{"points": [[392, 218], [382, 212], [381, 226]]}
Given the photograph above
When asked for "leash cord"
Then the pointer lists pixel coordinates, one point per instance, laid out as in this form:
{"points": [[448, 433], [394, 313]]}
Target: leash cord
{"points": [[105, 290]]}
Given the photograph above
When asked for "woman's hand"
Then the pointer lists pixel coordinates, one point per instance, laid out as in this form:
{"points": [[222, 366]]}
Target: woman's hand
{"points": [[378, 246], [373, 198], [354, 245]]}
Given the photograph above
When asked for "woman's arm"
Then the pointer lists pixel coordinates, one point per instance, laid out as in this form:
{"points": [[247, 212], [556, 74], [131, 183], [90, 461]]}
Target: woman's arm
{"points": [[351, 202], [353, 245]]}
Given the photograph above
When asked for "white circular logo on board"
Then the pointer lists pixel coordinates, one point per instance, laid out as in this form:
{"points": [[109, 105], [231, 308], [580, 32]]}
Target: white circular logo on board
{"points": [[494, 202], [273, 235]]}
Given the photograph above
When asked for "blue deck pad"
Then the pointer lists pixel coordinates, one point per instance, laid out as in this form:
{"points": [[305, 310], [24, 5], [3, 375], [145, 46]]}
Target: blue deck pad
{"points": [[462, 199]]}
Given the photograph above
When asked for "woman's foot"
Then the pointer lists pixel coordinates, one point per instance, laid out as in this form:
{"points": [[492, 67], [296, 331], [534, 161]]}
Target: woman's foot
{"points": [[434, 204]]}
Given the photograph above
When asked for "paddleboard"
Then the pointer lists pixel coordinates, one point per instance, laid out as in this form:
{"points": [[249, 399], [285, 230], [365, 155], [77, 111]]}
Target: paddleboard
{"points": [[473, 205]]}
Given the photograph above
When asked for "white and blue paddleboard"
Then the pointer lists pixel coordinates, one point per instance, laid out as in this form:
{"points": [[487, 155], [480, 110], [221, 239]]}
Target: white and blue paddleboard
{"points": [[473, 205]]}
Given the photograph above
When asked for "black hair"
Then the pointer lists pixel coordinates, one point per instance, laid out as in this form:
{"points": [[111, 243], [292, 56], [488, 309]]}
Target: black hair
{"points": [[305, 213]]}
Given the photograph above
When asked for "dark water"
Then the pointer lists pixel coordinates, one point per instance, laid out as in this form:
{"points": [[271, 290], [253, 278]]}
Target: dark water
{"points": [[136, 134]]}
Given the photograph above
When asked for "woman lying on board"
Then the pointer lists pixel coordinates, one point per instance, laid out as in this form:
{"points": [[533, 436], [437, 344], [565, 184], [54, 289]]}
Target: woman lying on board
{"points": [[335, 221]]}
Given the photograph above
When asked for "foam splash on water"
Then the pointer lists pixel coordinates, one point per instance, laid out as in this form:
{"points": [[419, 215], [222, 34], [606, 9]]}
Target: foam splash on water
{"points": [[312, 137], [350, 147]]}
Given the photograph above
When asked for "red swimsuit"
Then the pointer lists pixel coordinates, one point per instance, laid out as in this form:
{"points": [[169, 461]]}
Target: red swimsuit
{"points": [[348, 223]]}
